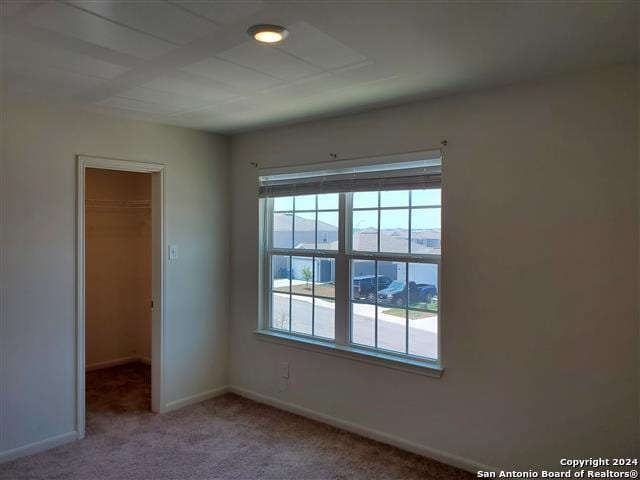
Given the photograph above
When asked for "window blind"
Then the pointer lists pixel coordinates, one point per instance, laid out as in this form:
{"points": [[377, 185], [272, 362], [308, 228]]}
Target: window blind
{"points": [[360, 175]]}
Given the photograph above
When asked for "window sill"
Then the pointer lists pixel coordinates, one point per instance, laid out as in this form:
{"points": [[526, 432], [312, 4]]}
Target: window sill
{"points": [[426, 368]]}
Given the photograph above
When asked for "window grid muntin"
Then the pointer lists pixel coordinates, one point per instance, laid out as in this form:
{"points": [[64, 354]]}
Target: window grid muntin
{"points": [[290, 256], [343, 258], [409, 207], [376, 304], [272, 212]]}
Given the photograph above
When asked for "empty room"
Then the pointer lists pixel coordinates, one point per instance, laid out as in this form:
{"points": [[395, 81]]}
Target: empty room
{"points": [[319, 240]]}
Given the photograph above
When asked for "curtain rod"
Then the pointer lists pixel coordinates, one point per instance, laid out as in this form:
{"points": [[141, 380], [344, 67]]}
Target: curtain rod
{"points": [[337, 161]]}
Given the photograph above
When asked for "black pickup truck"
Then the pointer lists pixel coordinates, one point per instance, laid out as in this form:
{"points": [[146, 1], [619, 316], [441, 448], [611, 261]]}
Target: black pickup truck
{"points": [[396, 293], [364, 287]]}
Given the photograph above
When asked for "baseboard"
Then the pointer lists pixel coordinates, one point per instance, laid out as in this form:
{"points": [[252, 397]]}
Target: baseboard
{"points": [[435, 454], [200, 397], [115, 362], [38, 447]]}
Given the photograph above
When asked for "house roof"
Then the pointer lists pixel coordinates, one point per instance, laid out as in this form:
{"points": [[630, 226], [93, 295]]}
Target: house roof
{"points": [[322, 246], [428, 233], [366, 241], [284, 223]]}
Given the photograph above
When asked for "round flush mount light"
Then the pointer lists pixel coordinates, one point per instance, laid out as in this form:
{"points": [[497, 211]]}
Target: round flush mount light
{"points": [[268, 33]]}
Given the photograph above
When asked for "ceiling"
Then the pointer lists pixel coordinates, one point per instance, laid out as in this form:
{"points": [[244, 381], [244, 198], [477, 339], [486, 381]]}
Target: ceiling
{"points": [[191, 63]]}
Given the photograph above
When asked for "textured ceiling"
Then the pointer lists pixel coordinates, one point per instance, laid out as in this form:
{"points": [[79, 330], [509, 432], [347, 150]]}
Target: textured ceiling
{"points": [[191, 63]]}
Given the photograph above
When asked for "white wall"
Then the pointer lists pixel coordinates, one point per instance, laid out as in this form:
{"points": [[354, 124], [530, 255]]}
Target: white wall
{"points": [[38, 343], [539, 282], [117, 267]]}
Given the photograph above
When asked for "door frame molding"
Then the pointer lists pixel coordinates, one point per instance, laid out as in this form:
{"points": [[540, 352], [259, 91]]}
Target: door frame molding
{"points": [[158, 268]]}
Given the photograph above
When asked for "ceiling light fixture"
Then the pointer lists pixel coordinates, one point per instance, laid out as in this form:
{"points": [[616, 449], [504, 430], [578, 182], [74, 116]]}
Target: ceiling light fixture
{"points": [[268, 33]]}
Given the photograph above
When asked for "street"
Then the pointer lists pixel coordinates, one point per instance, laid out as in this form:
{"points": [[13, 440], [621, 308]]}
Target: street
{"points": [[423, 338]]}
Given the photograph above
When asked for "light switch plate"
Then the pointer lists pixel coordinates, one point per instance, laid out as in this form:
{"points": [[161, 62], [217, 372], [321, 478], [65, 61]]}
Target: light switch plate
{"points": [[284, 370], [173, 252]]}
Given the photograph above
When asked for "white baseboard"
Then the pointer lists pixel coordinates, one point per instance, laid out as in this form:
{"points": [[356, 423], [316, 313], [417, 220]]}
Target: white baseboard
{"points": [[435, 454], [200, 397], [38, 447], [115, 362]]}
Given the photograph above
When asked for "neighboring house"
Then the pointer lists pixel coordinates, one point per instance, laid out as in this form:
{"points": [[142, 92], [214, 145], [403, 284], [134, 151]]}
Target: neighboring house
{"points": [[428, 238], [421, 273], [305, 231], [304, 239], [324, 270], [396, 240], [392, 240]]}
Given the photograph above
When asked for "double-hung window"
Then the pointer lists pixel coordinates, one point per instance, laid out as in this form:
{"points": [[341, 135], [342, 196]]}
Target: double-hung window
{"points": [[351, 256]]}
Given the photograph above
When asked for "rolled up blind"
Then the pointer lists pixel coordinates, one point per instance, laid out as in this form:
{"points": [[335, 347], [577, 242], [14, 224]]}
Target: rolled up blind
{"points": [[360, 175]]}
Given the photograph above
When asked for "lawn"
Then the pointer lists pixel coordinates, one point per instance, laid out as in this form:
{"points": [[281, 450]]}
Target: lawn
{"points": [[413, 314], [321, 290], [430, 307]]}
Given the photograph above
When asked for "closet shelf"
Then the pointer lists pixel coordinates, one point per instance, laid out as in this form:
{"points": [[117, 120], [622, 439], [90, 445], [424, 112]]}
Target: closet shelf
{"points": [[137, 204]]}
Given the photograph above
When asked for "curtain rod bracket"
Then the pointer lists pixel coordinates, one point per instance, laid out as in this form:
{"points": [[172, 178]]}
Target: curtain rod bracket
{"points": [[444, 143], [253, 164]]}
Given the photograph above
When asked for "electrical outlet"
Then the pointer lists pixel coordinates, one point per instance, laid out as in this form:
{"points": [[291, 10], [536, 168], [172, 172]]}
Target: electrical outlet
{"points": [[284, 370]]}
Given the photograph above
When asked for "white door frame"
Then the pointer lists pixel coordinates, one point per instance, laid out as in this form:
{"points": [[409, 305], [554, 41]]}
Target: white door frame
{"points": [[158, 269]]}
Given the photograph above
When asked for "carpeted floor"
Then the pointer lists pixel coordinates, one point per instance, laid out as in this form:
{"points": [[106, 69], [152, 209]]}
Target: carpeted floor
{"points": [[228, 437]]}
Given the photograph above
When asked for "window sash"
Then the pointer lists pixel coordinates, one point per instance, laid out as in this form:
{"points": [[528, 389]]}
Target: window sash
{"points": [[343, 334], [377, 305]]}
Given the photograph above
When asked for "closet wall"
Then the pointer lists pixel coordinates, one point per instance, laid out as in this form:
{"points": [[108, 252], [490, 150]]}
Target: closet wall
{"points": [[118, 267]]}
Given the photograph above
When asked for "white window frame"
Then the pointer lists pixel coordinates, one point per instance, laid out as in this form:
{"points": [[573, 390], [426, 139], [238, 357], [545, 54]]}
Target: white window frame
{"points": [[342, 345], [293, 252]]}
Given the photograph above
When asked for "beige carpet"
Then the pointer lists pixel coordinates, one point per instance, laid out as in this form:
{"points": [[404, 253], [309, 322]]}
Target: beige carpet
{"points": [[228, 437]]}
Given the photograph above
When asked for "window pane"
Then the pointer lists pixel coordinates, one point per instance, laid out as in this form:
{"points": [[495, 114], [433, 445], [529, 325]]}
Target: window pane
{"points": [[426, 230], [305, 202], [325, 277], [394, 304], [328, 230], [280, 311], [394, 198], [301, 314], [282, 233], [394, 231], [423, 286], [305, 231], [363, 324], [302, 275], [393, 293], [280, 272], [365, 200], [328, 201], [324, 318], [423, 334], [312, 284], [392, 333], [283, 204], [363, 280], [426, 198], [365, 230]]}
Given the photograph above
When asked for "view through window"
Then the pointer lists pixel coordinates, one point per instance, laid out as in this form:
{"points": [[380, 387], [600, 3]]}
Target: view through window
{"points": [[373, 253]]}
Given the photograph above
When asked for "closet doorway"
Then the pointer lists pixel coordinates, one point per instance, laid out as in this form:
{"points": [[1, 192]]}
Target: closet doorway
{"points": [[120, 289]]}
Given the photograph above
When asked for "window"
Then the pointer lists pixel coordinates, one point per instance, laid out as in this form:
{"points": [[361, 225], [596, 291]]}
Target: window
{"points": [[353, 260], [303, 282]]}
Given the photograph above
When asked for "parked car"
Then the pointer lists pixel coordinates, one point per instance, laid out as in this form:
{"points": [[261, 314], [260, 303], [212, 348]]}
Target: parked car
{"points": [[396, 293], [364, 287]]}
